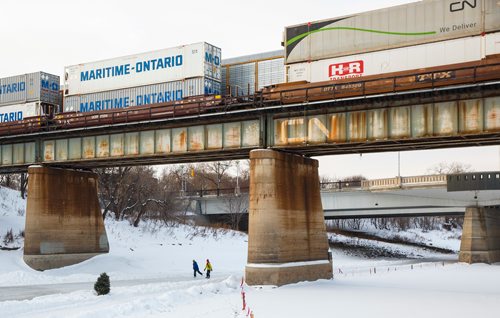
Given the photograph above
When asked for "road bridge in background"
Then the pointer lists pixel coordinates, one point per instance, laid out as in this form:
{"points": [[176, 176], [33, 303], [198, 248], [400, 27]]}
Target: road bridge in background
{"points": [[389, 197]]}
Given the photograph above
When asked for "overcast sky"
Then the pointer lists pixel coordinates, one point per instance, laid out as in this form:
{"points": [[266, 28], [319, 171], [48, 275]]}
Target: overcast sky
{"points": [[48, 35]]}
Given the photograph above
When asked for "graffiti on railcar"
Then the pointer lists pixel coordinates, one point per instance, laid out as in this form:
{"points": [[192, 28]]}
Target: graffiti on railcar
{"points": [[434, 76]]}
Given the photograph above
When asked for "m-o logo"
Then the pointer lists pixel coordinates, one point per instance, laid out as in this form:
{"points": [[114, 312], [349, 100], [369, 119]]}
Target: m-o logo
{"points": [[346, 69]]}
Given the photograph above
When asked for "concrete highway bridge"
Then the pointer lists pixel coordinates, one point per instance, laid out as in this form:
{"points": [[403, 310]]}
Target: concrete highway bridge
{"points": [[426, 195], [279, 132]]}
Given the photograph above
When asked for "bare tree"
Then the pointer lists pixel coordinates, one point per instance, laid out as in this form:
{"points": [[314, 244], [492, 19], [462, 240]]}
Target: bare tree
{"points": [[236, 206], [146, 192], [449, 167], [139, 193], [6, 180], [429, 223], [136, 193], [356, 224], [354, 178], [23, 184], [15, 181], [112, 188], [170, 206], [215, 173]]}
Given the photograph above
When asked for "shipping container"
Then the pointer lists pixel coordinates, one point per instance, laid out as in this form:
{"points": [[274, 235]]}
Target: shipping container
{"points": [[32, 87], [167, 65], [401, 59], [398, 26], [19, 111], [143, 95], [245, 74]]}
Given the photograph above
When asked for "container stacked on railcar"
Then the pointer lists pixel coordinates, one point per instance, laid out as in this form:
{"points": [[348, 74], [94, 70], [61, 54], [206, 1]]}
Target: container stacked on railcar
{"points": [[247, 74], [412, 36], [142, 79], [28, 95]]}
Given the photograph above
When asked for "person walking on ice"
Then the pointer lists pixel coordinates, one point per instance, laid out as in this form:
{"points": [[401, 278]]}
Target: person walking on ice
{"points": [[208, 268], [196, 269]]}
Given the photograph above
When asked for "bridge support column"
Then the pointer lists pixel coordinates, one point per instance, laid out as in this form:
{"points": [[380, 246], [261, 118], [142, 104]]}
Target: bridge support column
{"points": [[64, 223], [287, 240], [481, 236]]}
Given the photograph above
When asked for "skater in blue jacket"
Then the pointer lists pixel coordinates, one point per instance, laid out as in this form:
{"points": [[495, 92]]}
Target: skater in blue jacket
{"points": [[196, 269]]}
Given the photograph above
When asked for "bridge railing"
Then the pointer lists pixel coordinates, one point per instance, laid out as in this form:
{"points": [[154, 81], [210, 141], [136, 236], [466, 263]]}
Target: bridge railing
{"points": [[429, 179], [365, 185], [213, 192], [340, 185], [324, 186], [405, 182], [381, 183]]}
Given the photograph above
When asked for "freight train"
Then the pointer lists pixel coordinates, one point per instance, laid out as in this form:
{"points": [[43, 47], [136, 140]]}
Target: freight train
{"points": [[424, 44], [280, 94]]}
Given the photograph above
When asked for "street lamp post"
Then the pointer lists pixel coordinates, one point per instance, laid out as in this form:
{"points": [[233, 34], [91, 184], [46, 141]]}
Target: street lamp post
{"points": [[237, 189], [183, 182], [399, 164], [218, 178]]}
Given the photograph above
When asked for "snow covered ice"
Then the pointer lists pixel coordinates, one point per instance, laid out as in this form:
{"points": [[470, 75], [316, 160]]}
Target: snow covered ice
{"points": [[150, 268]]}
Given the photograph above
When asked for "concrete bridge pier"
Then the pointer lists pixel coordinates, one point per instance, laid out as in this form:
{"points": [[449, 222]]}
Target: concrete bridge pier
{"points": [[64, 223], [287, 239], [481, 235]]}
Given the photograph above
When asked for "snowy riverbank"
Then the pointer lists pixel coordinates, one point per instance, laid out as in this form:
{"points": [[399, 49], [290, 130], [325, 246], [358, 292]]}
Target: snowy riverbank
{"points": [[151, 276]]}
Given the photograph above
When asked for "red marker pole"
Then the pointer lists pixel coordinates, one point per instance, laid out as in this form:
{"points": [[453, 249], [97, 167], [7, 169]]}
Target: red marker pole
{"points": [[243, 293], [243, 298]]}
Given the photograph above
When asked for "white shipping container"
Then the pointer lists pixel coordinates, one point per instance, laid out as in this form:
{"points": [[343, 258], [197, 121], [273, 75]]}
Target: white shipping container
{"points": [[182, 62], [31, 87], [492, 45], [19, 111], [246, 74], [395, 60], [142, 95], [409, 24]]}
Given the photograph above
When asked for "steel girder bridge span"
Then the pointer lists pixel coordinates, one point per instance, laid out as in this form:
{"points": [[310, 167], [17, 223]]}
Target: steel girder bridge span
{"points": [[413, 120]]}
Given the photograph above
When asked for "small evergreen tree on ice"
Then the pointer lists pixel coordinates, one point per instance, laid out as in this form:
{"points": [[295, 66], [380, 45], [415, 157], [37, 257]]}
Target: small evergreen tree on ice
{"points": [[102, 286]]}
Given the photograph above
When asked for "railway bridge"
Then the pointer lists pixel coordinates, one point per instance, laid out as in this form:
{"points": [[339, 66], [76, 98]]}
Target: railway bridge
{"points": [[278, 132]]}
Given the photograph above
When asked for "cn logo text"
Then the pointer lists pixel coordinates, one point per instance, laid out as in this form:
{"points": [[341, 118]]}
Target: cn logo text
{"points": [[460, 5]]}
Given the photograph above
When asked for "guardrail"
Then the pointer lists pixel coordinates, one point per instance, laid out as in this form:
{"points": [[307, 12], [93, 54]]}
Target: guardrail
{"points": [[438, 180], [214, 192], [340, 185], [404, 182]]}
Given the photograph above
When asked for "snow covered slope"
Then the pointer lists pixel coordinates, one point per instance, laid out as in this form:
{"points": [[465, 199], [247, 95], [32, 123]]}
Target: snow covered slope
{"points": [[412, 282], [12, 211]]}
